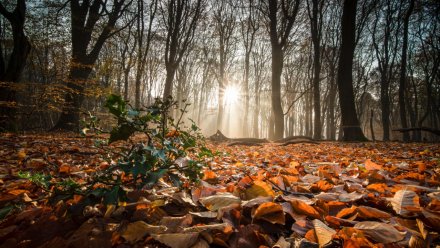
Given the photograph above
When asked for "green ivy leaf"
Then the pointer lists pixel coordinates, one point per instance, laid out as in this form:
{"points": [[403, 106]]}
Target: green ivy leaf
{"points": [[112, 196], [5, 211], [116, 105]]}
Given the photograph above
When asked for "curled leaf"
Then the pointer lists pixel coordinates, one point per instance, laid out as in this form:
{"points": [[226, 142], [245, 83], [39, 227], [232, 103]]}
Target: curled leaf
{"points": [[271, 212]]}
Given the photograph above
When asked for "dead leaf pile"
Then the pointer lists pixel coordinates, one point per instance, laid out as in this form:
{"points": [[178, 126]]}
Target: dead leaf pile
{"points": [[300, 195]]}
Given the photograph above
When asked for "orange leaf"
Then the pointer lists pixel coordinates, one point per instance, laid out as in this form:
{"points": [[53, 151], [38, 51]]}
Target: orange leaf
{"points": [[302, 208], [259, 188], [370, 165], [270, 212], [378, 187], [346, 212], [17, 191], [372, 213], [311, 236], [64, 169], [209, 176]]}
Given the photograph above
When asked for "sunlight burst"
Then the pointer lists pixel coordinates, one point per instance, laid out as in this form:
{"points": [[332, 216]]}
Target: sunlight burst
{"points": [[231, 95]]}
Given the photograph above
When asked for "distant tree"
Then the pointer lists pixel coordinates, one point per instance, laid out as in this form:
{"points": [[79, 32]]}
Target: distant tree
{"points": [[402, 80], [143, 43], [315, 13], [280, 17], [85, 17], [249, 25], [10, 72], [180, 18], [385, 42], [225, 24], [349, 121]]}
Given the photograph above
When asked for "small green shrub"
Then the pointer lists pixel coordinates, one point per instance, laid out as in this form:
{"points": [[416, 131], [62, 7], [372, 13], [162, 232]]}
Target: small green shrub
{"points": [[156, 147]]}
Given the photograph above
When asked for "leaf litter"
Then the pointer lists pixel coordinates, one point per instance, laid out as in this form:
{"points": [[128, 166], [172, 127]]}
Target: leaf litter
{"points": [[317, 195]]}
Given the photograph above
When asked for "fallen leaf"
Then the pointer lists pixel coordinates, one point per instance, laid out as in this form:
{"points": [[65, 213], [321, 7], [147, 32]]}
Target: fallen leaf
{"points": [[370, 165], [258, 189], [324, 234], [177, 240], [271, 212], [372, 213], [405, 203], [302, 208], [215, 202], [380, 232], [137, 230], [281, 243]]}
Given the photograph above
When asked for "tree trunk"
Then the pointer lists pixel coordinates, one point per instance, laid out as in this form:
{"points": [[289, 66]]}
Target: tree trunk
{"points": [[402, 82], [385, 106], [350, 123], [71, 111], [277, 68], [171, 71], [371, 125], [15, 66], [331, 106]]}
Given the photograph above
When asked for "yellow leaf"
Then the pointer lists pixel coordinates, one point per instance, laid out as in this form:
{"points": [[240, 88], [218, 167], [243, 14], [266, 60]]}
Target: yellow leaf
{"points": [[110, 209], [216, 202], [259, 188]]}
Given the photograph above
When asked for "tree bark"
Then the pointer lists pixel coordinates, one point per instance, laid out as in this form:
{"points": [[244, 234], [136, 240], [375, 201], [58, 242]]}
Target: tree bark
{"points": [[278, 116], [279, 31], [402, 82], [315, 26], [84, 17], [11, 74], [350, 123]]}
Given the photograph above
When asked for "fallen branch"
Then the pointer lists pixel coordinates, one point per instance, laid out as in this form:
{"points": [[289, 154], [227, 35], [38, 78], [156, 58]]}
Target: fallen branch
{"points": [[243, 143], [289, 138], [427, 129], [299, 141]]}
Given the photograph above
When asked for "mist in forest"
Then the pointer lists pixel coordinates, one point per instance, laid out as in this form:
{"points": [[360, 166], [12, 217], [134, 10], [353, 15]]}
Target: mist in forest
{"points": [[325, 69]]}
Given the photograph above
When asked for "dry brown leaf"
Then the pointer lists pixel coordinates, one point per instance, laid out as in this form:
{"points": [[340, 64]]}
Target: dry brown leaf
{"points": [[177, 240], [201, 228], [380, 232], [351, 197], [215, 202], [347, 212], [372, 213], [175, 224], [281, 243], [137, 230], [324, 234], [271, 212], [433, 218], [405, 203]]}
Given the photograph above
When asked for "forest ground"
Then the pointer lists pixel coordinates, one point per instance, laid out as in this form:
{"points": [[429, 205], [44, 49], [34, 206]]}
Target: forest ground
{"points": [[330, 193]]}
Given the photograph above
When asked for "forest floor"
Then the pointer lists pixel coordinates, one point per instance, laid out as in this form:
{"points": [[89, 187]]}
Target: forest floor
{"points": [[371, 194]]}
